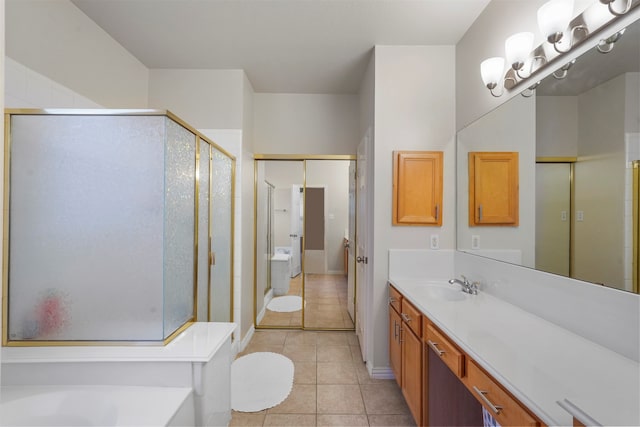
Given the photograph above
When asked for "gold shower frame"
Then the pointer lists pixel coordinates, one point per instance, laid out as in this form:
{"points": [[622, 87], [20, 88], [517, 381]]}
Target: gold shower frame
{"points": [[5, 226]]}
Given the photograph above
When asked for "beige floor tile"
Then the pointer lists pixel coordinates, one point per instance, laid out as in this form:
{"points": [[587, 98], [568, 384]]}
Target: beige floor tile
{"points": [[332, 338], [356, 353], [290, 420], [337, 373], [364, 377], [391, 420], [247, 419], [305, 373], [300, 353], [340, 399], [301, 400], [302, 337], [269, 337], [384, 398], [352, 338], [254, 348], [342, 420], [334, 353]]}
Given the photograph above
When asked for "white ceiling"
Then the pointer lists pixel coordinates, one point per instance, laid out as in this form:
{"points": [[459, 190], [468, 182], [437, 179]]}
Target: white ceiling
{"points": [[290, 46]]}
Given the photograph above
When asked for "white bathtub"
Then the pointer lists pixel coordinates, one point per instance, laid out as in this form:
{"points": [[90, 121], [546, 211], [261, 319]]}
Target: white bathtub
{"points": [[96, 406]]}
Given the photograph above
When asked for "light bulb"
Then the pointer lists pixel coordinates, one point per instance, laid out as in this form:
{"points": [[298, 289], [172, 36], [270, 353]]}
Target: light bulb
{"points": [[517, 49], [554, 17], [491, 71]]}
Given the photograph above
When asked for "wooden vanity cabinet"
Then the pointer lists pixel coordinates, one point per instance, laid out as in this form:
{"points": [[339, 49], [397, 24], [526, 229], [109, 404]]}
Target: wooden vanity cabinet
{"points": [[405, 350], [411, 367], [417, 188], [493, 188], [440, 383]]}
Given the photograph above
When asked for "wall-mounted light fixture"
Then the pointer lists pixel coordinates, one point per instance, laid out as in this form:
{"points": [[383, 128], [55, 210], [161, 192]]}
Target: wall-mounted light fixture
{"points": [[558, 28], [609, 3]]}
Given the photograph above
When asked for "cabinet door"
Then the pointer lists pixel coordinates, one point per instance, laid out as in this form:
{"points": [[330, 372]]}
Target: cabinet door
{"points": [[417, 188], [395, 353], [412, 372], [493, 188]]}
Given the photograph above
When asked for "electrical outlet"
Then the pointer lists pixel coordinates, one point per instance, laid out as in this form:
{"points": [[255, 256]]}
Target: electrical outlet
{"points": [[475, 241], [580, 216], [563, 215], [435, 241]]}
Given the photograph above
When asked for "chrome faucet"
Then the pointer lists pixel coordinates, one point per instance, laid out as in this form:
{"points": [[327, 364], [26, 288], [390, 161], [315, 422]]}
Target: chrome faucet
{"points": [[467, 287]]}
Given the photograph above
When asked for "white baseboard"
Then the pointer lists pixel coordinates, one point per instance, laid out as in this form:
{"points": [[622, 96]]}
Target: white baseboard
{"points": [[336, 272], [381, 373], [267, 299], [240, 345]]}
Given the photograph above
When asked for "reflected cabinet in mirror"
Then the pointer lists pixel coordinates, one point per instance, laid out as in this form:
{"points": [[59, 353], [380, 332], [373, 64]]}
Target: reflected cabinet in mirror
{"points": [[578, 141], [305, 226]]}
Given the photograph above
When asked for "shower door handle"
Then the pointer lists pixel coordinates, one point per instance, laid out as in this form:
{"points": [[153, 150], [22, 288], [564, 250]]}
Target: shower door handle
{"points": [[212, 258]]}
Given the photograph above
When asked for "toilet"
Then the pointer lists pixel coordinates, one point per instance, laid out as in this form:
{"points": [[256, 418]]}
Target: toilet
{"points": [[280, 274]]}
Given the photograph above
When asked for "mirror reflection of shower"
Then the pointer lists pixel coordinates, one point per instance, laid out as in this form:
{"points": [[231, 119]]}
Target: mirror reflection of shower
{"points": [[269, 236]]}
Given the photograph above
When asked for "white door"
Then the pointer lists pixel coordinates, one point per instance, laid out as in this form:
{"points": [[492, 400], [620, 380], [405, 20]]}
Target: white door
{"points": [[296, 230], [351, 257], [362, 244]]}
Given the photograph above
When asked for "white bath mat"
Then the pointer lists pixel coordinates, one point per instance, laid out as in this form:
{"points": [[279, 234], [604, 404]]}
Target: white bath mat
{"points": [[285, 304], [260, 380]]}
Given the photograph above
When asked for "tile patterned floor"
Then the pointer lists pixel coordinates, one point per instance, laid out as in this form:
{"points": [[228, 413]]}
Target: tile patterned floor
{"points": [[331, 384], [325, 308]]}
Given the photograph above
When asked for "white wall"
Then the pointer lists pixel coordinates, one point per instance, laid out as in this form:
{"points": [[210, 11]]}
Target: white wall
{"points": [[510, 127], [556, 126], [206, 99], [414, 110], [599, 185], [305, 123], [24, 88], [54, 38]]}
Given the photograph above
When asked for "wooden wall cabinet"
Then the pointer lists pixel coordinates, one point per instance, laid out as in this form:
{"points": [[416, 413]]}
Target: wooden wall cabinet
{"points": [[493, 188], [417, 188]]}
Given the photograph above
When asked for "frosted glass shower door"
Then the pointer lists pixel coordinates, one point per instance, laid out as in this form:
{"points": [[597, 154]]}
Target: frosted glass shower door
{"points": [[221, 237], [100, 242], [179, 256], [204, 236], [86, 228]]}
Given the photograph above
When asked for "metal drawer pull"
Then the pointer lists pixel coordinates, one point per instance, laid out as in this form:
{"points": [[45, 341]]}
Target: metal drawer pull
{"points": [[405, 317], [392, 300], [481, 393], [435, 348], [480, 213]]}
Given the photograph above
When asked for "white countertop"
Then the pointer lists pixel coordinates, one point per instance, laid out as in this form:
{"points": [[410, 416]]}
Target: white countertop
{"points": [[198, 343], [538, 362]]}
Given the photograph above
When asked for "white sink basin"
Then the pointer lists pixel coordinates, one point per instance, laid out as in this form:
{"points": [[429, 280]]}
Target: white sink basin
{"points": [[445, 293]]}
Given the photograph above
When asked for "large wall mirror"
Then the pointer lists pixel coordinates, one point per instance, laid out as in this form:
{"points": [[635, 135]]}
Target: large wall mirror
{"points": [[305, 226], [578, 140]]}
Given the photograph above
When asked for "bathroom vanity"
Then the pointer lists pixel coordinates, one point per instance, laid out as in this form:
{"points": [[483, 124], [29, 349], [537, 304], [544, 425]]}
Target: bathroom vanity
{"points": [[522, 369], [199, 359]]}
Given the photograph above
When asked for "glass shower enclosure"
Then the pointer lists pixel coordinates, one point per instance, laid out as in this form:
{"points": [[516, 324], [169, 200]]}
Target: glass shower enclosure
{"points": [[107, 221]]}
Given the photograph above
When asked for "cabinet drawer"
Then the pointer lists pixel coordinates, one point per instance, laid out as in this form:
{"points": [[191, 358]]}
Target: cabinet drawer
{"points": [[506, 410], [411, 317], [395, 298], [449, 354]]}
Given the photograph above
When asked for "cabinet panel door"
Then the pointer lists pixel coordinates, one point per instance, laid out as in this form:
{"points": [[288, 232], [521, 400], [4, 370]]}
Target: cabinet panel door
{"points": [[417, 188], [395, 353], [493, 188], [412, 372]]}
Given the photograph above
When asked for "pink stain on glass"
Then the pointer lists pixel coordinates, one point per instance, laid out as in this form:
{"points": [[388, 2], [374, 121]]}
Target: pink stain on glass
{"points": [[51, 313]]}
